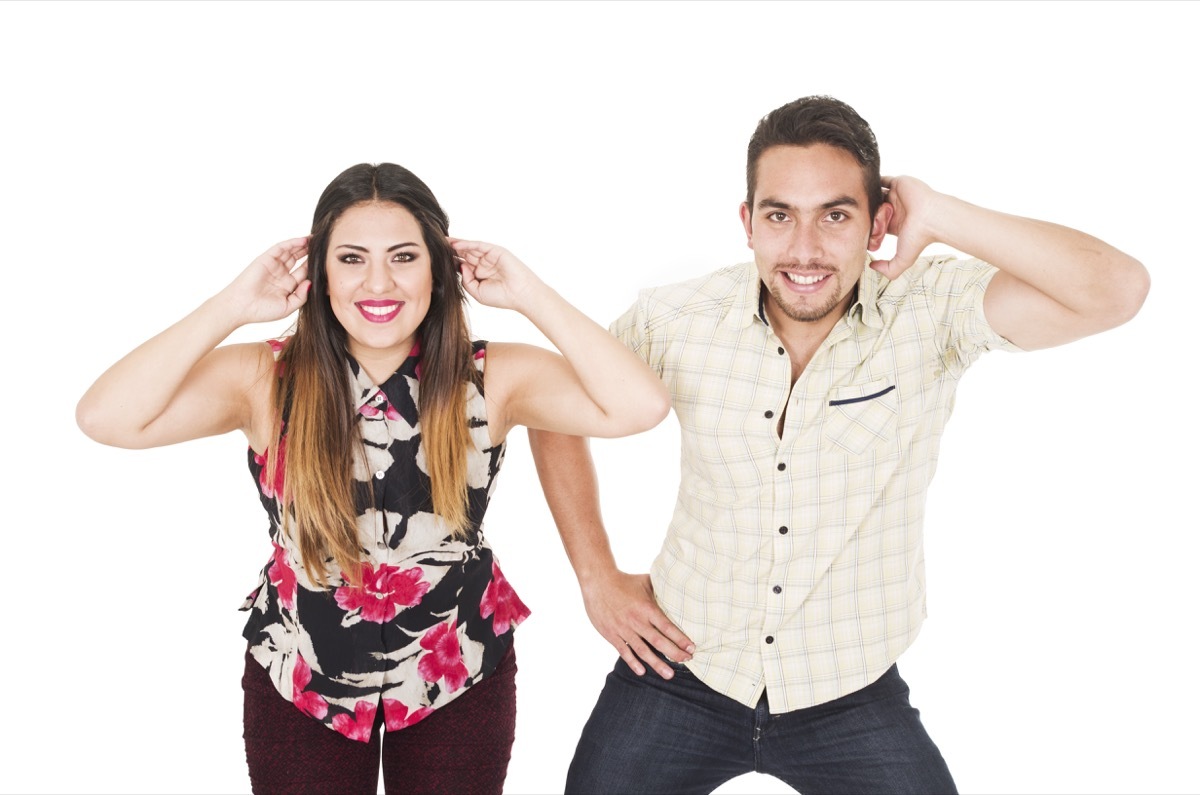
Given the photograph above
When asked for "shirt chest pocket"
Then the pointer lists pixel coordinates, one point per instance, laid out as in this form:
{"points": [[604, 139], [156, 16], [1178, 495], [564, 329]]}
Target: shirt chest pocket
{"points": [[861, 417]]}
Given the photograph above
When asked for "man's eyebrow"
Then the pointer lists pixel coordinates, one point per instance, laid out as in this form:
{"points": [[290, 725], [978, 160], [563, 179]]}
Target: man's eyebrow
{"points": [[840, 201], [364, 249], [777, 204], [774, 204]]}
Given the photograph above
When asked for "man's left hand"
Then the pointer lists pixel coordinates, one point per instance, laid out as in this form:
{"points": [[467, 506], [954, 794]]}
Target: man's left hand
{"points": [[912, 204]]}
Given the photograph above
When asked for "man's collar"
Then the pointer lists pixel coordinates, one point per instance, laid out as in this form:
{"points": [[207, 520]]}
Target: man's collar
{"points": [[749, 303], [866, 300]]}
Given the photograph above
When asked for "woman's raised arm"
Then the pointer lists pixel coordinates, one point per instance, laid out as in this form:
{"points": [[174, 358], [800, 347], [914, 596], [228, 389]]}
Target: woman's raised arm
{"points": [[179, 385], [598, 387]]}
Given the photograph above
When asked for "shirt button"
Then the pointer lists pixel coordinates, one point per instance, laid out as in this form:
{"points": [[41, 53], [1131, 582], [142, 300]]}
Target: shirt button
{"points": [[782, 351], [783, 530], [769, 414], [782, 466], [776, 589], [379, 475], [770, 638]]}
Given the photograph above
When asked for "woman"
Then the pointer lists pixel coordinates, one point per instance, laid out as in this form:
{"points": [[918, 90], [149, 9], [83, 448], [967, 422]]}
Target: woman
{"points": [[375, 435]]}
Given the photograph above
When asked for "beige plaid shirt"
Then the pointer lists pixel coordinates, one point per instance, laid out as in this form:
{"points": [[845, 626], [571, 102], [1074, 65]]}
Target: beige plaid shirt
{"points": [[796, 563]]}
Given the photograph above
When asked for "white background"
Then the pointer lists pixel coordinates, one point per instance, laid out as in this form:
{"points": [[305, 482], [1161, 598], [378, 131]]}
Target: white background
{"points": [[150, 150]]}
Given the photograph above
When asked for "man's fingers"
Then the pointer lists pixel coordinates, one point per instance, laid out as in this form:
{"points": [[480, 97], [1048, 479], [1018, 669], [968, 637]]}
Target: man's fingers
{"points": [[668, 647], [901, 261], [682, 646], [639, 647], [627, 655]]}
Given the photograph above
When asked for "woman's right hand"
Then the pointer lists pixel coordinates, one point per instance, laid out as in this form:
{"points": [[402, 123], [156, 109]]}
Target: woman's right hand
{"points": [[274, 286]]}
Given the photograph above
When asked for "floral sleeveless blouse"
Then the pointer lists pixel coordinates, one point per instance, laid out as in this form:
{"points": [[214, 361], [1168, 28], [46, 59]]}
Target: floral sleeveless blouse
{"points": [[434, 614]]}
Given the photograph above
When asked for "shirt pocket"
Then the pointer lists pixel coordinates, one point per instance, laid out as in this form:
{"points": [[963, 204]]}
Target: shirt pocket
{"points": [[861, 417]]}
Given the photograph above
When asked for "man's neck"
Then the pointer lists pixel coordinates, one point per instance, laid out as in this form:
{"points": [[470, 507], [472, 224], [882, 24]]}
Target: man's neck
{"points": [[802, 338]]}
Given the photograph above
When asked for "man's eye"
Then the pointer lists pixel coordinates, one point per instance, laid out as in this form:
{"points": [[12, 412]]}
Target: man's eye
{"points": [[777, 217], [837, 215]]}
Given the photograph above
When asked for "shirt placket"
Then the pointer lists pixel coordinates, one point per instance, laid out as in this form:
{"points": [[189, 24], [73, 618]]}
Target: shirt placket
{"points": [[794, 497], [779, 516], [378, 462]]}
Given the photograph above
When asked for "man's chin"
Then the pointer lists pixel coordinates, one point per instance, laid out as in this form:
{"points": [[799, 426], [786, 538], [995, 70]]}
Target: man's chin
{"points": [[804, 313]]}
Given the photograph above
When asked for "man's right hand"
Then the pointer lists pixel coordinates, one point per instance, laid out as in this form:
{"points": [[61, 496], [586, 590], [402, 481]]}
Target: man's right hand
{"points": [[620, 606], [623, 610]]}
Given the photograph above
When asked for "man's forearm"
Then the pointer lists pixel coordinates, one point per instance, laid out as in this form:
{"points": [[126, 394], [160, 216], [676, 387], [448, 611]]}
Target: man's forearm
{"points": [[620, 606], [1082, 273], [568, 477]]}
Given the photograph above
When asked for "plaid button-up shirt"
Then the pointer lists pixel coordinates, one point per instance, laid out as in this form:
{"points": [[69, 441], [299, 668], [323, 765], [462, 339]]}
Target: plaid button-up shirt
{"points": [[795, 563]]}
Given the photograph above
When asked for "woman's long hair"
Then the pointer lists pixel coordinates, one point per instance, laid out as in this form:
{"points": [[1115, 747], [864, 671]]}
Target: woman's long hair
{"points": [[322, 438]]}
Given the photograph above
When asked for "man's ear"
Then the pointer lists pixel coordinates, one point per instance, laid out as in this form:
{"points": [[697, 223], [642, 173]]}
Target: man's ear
{"points": [[879, 226], [744, 212]]}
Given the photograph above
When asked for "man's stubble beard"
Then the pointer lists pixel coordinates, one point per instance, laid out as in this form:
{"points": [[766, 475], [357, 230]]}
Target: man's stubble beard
{"points": [[807, 315]]}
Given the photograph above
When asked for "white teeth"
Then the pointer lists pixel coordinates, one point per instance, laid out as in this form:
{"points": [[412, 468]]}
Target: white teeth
{"points": [[380, 310], [804, 279]]}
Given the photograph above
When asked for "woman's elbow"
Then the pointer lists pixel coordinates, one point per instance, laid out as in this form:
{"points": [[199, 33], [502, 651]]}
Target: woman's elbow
{"points": [[1139, 289], [1127, 294], [643, 414], [100, 426], [659, 409]]}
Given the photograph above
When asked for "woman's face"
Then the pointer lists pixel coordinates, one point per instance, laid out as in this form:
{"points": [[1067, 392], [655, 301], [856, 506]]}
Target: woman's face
{"points": [[380, 283]]}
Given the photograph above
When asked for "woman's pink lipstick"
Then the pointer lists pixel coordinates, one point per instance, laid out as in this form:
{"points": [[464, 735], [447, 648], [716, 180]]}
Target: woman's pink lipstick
{"points": [[379, 311]]}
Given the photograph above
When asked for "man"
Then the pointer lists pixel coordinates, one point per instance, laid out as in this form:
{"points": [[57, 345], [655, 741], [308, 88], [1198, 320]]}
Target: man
{"points": [[812, 388]]}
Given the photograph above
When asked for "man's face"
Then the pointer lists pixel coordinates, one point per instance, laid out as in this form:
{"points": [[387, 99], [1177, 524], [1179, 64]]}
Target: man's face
{"points": [[810, 229]]}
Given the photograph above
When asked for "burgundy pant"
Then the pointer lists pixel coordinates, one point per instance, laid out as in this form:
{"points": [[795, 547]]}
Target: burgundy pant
{"points": [[461, 748]]}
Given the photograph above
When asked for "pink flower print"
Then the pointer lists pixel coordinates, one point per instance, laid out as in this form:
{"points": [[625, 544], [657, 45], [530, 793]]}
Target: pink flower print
{"points": [[272, 486], [358, 727], [481, 353], [416, 351], [383, 592], [276, 348], [370, 411], [282, 577], [396, 716], [444, 660], [309, 703], [501, 599]]}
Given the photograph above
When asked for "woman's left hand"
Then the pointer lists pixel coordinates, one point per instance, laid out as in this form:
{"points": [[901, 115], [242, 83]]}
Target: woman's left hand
{"points": [[493, 276]]}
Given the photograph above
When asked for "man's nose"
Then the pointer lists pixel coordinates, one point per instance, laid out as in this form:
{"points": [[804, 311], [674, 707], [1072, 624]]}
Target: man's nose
{"points": [[804, 245]]}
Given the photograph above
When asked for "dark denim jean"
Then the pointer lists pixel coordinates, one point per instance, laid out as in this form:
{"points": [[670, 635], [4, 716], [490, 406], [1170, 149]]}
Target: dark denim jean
{"points": [[651, 735]]}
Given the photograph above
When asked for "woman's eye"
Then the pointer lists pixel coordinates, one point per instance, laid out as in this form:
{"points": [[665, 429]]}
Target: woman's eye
{"points": [[350, 259], [404, 256]]}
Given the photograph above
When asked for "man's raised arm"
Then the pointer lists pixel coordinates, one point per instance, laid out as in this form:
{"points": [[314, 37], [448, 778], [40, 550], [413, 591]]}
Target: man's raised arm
{"points": [[1055, 284]]}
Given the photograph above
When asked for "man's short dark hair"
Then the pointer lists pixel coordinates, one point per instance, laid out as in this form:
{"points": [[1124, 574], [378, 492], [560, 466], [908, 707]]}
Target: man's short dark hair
{"points": [[817, 120]]}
